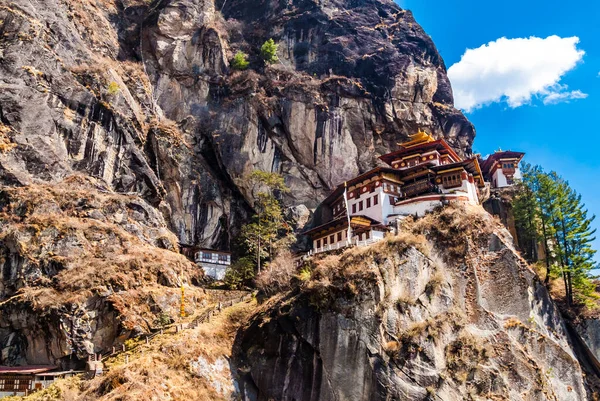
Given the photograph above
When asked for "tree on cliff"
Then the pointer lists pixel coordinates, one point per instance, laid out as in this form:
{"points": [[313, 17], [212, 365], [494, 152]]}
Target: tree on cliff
{"points": [[525, 210], [240, 61], [573, 240], [268, 226], [548, 209], [268, 52]]}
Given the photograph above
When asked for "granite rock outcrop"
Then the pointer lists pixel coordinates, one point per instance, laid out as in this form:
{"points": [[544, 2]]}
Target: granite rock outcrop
{"points": [[140, 95]]}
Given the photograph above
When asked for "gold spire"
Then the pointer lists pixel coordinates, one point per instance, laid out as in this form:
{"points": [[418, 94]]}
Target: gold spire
{"points": [[417, 139]]}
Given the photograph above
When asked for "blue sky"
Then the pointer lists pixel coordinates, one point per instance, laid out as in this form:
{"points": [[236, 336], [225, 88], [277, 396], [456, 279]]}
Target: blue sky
{"points": [[557, 126]]}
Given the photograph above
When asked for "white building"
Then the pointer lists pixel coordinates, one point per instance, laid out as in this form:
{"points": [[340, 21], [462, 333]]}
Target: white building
{"points": [[502, 169], [424, 174], [214, 263]]}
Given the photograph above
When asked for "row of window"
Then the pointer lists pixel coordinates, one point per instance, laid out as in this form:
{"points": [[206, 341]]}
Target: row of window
{"points": [[391, 187], [422, 159], [508, 165], [209, 256], [330, 240], [453, 180], [369, 203]]}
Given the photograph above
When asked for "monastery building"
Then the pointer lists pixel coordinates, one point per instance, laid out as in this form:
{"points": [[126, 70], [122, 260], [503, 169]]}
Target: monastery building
{"points": [[422, 174]]}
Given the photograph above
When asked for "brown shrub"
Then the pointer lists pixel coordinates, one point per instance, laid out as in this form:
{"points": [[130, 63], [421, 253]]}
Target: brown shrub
{"points": [[277, 276]]}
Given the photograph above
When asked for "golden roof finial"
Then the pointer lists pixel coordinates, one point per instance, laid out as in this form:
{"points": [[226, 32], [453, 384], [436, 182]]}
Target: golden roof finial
{"points": [[417, 139]]}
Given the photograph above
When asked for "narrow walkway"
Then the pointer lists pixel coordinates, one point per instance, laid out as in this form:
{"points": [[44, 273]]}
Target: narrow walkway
{"points": [[204, 316]]}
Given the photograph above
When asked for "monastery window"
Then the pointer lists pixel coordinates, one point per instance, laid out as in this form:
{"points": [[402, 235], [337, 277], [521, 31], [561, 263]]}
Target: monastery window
{"points": [[222, 258], [332, 238], [453, 180], [206, 255], [360, 237], [318, 243], [360, 206], [367, 235], [509, 180], [339, 236], [354, 208], [324, 241], [368, 203], [375, 200]]}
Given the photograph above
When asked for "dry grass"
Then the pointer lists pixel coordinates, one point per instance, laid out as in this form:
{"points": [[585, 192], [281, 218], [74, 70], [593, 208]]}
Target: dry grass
{"points": [[85, 242], [6, 143], [464, 355], [183, 366], [356, 270], [277, 276], [454, 229]]}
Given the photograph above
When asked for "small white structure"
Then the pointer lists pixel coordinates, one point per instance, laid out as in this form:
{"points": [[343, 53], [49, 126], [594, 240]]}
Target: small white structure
{"points": [[214, 263], [501, 169]]}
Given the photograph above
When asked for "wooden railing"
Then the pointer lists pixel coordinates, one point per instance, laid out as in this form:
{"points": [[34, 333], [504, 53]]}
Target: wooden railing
{"points": [[417, 188], [342, 245]]}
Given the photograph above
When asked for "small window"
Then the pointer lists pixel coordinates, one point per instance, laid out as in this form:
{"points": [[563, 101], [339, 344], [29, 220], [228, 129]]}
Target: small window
{"points": [[324, 241], [375, 200], [367, 235], [318, 243], [368, 203], [360, 206], [360, 237], [332, 238], [339, 236], [354, 208], [206, 255], [222, 258]]}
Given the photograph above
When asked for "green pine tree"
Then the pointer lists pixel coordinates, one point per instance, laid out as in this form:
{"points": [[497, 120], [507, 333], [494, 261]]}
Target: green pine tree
{"points": [[268, 52], [240, 61], [525, 210], [547, 209], [268, 227], [573, 239]]}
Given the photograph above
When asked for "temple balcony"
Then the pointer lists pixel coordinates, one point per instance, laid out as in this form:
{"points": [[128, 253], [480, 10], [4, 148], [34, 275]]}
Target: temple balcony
{"points": [[417, 188]]}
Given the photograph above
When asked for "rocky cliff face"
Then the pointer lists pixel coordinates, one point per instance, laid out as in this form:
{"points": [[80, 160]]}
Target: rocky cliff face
{"points": [[456, 316], [140, 95], [81, 270]]}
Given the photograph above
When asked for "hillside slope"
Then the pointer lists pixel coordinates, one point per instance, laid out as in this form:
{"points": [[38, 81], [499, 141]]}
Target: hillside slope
{"points": [[445, 311]]}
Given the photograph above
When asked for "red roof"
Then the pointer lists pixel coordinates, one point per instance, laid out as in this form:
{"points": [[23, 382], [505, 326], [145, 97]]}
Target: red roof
{"points": [[489, 162], [440, 144], [25, 370]]}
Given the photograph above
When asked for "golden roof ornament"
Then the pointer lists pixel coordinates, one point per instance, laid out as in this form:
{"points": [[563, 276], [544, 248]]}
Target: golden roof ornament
{"points": [[417, 139]]}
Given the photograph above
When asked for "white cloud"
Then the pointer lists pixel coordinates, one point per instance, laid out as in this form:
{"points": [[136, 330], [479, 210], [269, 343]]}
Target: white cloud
{"points": [[515, 71], [558, 97]]}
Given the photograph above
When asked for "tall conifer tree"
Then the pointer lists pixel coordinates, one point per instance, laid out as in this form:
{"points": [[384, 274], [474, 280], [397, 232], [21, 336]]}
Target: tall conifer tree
{"points": [[548, 209]]}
